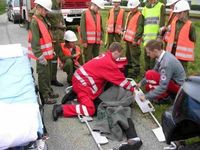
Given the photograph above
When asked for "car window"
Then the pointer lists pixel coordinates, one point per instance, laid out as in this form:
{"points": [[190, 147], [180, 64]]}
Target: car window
{"points": [[16, 3]]}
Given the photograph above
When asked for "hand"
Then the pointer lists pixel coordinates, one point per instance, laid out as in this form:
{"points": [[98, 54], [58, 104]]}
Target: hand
{"points": [[84, 45], [142, 97], [101, 42], [42, 60], [162, 30]]}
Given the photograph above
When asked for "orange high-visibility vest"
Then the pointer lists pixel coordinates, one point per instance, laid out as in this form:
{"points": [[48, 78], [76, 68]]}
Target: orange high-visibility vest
{"points": [[119, 21], [167, 33], [45, 41], [131, 28], [93, 29], [66, 51], [185, 47]]}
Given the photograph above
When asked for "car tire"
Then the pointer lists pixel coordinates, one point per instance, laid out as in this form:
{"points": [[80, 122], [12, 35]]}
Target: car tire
{"points": [[14, 20], [9, 18]]}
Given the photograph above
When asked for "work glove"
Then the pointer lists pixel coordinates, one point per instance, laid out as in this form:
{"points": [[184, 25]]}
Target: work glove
{"points": [[42, 60]]}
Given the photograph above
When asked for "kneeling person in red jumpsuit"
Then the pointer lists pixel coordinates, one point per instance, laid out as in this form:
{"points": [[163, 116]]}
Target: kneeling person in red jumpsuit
{"points": [[88, 82], [166, 77]]}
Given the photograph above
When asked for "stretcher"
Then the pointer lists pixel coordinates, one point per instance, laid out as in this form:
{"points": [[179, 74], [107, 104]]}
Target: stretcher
{"points": [[21, 121], [147, 107]]}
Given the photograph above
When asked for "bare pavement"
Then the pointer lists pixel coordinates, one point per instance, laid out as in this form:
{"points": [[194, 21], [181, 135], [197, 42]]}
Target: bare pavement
{"points": [[69, 133]]}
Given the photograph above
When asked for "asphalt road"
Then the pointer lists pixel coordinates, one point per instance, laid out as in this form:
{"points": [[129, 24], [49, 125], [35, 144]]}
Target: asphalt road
{"points": [[69, 133]]}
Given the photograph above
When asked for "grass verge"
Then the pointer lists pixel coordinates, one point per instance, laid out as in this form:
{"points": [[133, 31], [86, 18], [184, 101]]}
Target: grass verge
{"points": [[2, 6]]}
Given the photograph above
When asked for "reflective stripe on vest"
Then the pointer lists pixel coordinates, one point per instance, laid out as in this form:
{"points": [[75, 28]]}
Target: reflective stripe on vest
{"points": [[131, 28], [67, 52], [94, 88], [118, 24], [45, 41], [185, 47], [152, 21], [93, 29]]}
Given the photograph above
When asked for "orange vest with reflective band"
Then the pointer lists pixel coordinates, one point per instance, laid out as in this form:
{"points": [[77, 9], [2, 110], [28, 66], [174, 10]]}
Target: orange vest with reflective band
{"points": [[66, 51], [131, 28], [45, 41], [93, 29], [118, 24], [167, 33], [185, 47]]}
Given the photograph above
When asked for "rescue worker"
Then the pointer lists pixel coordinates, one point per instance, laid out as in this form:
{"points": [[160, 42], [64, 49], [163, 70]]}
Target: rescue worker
{"points": [[133, 35], [154, 19], [57, 27], [88, 83], [41, 49], [165, 30], [115, 23], [70, 54], [166, 77], [182, 38], [91, 29]]}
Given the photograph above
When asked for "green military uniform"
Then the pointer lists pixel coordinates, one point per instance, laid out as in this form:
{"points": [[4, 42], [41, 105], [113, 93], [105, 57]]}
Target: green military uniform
{"points": [[150, 63], [42, 70], [68, 65], [192, 37], [115, 36], [92, 50], [57, 27], [133, 51]]}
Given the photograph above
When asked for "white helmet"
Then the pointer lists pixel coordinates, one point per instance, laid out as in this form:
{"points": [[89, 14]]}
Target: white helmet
{"points": [[171, 2], [116, 1], [47, 4], [133, 3], [70, 36], [99, 3], [181, 5]]}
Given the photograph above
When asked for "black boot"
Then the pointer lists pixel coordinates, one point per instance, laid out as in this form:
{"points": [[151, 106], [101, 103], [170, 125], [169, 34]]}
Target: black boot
{"points": [[57, 111], [70, 96], [56, 83], [133, 146]]}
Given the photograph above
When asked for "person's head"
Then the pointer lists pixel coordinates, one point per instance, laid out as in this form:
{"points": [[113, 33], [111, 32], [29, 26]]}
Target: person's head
{"points": [[116, 3], [43, 6], [96, 5], [181, 9], [152, 1], [70, 39], [115, 48], [133, 5], [154, 48], [171, 3]]}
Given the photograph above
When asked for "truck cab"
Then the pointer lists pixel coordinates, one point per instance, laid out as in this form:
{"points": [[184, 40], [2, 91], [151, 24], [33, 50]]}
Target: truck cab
{"points": [[72, 10]]}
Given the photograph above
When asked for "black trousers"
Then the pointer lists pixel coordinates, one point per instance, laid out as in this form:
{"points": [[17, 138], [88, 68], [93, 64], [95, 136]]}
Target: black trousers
{"points": [[130, 132]]}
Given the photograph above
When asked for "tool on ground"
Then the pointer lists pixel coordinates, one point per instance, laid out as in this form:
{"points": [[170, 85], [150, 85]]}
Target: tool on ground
{"points": [[147, 107], [98, 138]]}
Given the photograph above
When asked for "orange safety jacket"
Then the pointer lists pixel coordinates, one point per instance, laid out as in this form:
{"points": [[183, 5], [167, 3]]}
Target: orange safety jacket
{"points": [[167, 33], [93, 29], [66, 51], [119, 22], [131, 28], [185, 47], [45, 41]]}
